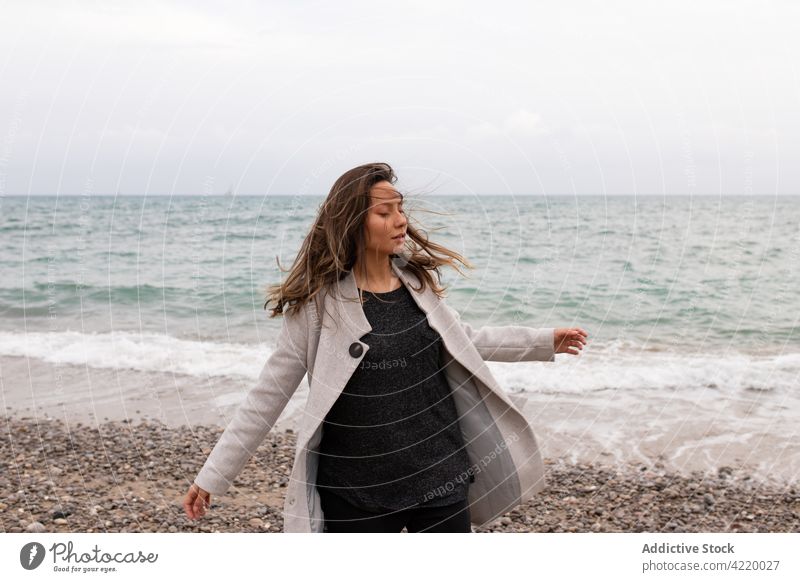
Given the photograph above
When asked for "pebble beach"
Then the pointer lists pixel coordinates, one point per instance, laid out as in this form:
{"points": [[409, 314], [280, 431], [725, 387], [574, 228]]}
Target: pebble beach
{"points": [[124, 476]]}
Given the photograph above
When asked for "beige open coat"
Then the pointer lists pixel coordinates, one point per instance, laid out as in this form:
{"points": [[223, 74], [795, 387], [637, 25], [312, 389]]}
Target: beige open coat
{"points": [[505, 461]]}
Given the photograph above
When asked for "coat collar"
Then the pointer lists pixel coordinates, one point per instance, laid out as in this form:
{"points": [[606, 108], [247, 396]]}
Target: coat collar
{"points": [[351, 311]]}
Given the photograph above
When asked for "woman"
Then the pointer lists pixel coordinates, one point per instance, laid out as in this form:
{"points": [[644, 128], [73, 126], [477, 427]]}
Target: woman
{"points": [[404, 426]]}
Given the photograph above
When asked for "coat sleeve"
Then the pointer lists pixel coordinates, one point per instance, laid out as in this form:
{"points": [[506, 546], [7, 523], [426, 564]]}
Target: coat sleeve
{"points": [[510, 343], [277, 382]]}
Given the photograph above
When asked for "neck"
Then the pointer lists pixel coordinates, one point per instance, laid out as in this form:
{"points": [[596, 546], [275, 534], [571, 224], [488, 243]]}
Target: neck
{"points": [[375, 273]]}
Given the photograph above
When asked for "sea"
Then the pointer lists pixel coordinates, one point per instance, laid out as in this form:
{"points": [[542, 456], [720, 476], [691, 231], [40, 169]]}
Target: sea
{"points": [[131, 307]]}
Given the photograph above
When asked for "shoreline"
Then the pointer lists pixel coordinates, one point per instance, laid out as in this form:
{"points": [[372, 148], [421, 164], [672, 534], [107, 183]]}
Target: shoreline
{"points": [[126, 476], [754, 432]]}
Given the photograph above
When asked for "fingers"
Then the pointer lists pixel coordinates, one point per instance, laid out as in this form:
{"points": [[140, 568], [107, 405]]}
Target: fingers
{"points": [[578, 334], [196, 502], [200, 506], [188, 503], [573, 346]]}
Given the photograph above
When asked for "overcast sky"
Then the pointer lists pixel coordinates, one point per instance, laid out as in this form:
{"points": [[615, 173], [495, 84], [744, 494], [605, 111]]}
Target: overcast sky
{"points": [[460, 97]]}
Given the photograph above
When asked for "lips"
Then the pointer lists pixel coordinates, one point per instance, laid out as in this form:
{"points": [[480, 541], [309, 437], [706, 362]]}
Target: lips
{"points": [[399, 237]]}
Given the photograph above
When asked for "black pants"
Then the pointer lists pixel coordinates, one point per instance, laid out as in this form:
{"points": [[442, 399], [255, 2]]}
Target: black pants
{"points": [[342, 517]]}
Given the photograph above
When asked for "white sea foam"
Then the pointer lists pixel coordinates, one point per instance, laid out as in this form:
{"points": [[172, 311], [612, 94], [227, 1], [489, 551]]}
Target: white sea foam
{"points": [[145, 352], [595, 370]]}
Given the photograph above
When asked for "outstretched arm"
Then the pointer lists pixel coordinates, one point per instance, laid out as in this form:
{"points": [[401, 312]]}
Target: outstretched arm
{"points": [[510, 343], [280, 377]]}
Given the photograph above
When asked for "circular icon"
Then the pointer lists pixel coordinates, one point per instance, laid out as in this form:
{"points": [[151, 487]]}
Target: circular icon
{"points": [[31, 555]]}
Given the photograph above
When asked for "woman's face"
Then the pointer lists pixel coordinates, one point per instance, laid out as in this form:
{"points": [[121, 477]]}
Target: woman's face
{"points": [[385, 220]]}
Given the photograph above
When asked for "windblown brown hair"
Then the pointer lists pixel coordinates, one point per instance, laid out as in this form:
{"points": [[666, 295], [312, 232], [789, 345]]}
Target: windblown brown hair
{"points": [[337, 239]]}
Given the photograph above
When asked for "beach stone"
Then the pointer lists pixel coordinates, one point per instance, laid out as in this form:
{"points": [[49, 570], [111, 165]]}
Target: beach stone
{"points": [[60, 511], [35, 527], [580, 497]]}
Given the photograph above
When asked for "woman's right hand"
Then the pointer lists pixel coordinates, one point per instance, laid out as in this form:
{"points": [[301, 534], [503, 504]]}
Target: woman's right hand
{"points": [[196, 502]]}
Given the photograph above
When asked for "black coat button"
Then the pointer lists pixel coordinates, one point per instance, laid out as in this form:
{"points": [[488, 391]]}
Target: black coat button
{"points": [[356, 349]]}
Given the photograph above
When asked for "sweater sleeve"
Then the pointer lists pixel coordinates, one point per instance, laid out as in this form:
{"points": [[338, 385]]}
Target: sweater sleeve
{"points": [[281, 375]]}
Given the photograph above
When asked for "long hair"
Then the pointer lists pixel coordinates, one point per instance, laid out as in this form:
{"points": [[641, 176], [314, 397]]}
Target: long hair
{"points": [[337, 240]]}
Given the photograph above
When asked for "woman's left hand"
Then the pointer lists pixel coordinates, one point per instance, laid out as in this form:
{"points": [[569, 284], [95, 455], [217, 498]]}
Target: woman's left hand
{"points": [[569, 340]]}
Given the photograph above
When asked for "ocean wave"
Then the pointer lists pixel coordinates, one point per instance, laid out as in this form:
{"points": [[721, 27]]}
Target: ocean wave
{"points": [[144, 352], [619, 366]]}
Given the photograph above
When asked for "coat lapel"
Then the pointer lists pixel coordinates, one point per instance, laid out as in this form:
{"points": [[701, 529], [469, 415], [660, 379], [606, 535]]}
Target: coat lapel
{"points": [[344, 324], [455, 341], [333, 358], [344, 297]]}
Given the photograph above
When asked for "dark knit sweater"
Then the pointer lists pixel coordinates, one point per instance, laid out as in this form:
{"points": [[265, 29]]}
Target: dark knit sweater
{"points": [[392, 440]]}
